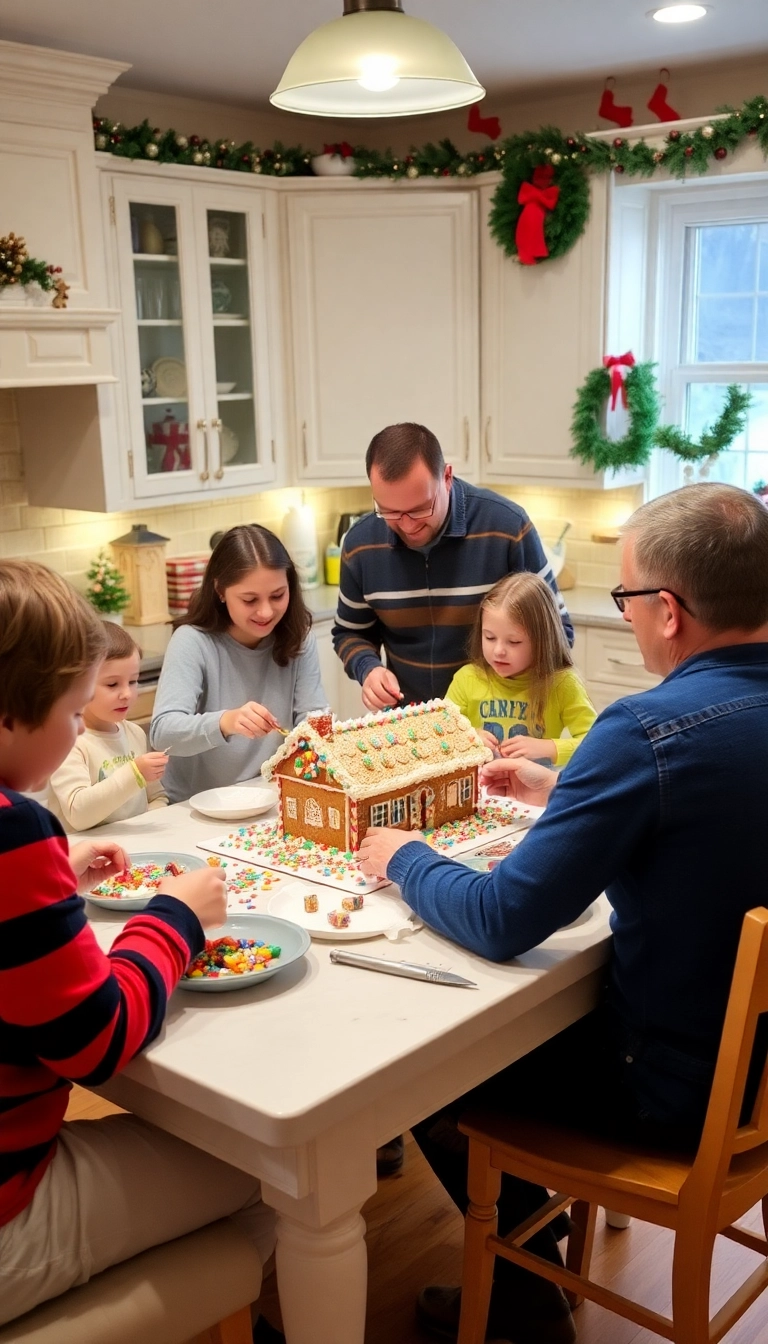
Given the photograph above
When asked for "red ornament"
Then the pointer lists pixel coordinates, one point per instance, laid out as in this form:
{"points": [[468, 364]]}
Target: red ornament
{"points": [[609, 110], [536, 198], [446, 172], [618, 142], [115, 139], [194, 140], [570, 142], [688, 151], [721, 153], [245, 158], [674, 135], [481, 158], [619, 168]]}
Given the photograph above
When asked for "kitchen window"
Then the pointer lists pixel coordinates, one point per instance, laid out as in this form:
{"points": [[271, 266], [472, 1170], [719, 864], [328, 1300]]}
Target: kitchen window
{"points": [[712, 323]]}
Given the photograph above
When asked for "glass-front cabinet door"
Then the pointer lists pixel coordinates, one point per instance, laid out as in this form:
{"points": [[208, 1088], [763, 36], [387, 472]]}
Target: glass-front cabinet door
{"points": [[193, 289]]}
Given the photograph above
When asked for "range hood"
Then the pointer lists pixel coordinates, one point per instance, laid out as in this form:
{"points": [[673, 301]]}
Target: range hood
{"points": [[50, 347]]}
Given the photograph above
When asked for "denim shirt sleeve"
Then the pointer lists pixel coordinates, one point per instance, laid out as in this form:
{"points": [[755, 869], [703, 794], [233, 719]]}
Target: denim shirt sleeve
{"points": [[605, 804]]}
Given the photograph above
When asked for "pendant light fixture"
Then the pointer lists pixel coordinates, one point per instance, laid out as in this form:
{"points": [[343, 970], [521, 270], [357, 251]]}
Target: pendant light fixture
{"points": [[375, 61]]}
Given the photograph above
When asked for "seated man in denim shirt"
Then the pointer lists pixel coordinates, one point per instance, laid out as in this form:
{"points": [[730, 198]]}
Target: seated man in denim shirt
{"points": [[663, 807]]}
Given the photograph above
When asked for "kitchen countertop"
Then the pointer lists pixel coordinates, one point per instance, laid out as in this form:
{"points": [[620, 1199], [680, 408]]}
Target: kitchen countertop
{"points": [[587, 606]]}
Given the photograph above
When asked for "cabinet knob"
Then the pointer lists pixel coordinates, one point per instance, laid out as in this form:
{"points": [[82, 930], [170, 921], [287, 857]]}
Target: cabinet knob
{"points": [[202, 424]]}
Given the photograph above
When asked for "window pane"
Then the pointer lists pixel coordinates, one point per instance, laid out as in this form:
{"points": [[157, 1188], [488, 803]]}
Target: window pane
{"points": [[757, 424], [762, 246], [761, 338], [724, 330], [746, 461], [727, 258], [705, 404]]}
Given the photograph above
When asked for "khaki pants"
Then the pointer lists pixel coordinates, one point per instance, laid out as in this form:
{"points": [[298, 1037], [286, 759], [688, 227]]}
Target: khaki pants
{"points": [[115, 1187]]}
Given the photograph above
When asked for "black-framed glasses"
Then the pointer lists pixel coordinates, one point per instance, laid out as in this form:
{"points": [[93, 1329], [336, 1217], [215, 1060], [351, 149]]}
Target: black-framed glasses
{"points": [[415, 515], [620, 596]]}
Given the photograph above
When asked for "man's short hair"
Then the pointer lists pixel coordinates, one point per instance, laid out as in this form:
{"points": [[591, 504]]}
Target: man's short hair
{"points": [[49, 636], [709, 543], [396, 449]]}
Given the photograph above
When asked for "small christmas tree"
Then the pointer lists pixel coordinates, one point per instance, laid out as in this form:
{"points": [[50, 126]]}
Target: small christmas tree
{"points": [[106, 590]]}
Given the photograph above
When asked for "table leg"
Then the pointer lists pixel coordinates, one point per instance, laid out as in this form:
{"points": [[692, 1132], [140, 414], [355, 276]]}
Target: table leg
{"points": [[322, 1276]]}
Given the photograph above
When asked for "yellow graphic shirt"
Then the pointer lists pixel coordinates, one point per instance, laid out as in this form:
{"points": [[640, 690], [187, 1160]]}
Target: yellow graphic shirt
{"points": [[500, 705], [98, 781]]}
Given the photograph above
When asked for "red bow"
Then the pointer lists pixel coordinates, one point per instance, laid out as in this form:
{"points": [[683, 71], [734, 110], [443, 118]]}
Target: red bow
{"points": [[343, 151], [536, 198], [615, 363]]}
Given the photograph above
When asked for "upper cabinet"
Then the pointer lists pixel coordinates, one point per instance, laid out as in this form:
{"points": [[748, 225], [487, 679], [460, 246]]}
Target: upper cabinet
{"points": [[384, 311], [49, 195], [198, 395], [543, 330]]}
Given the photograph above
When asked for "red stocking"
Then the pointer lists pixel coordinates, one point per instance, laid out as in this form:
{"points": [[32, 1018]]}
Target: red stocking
{"points": [[658, 105], [490, 126], [610, 111]]}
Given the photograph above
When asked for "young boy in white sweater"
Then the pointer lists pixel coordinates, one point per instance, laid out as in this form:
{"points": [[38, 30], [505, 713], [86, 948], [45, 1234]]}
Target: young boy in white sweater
{"points": [[109, 774]]}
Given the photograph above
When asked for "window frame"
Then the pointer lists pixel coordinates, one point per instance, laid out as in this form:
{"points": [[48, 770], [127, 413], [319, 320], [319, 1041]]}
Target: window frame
{"points": [[673, 212]]}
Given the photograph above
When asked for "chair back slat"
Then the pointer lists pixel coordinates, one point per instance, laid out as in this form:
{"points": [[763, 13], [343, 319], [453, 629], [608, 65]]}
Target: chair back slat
{"points": [[722, 1137]]}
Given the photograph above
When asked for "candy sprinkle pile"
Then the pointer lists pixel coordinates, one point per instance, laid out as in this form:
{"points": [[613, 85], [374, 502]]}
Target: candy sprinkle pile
{"points": [[139, 880], [484, 821], [231, 956]]}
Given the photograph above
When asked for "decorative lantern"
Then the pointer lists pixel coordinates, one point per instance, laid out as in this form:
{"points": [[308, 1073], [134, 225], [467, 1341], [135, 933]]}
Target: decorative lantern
{"points": [[140, 557]]}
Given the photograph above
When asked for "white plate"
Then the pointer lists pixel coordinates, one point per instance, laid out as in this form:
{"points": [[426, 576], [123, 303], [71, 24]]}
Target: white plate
{"points": [[170, 377], [234, 803], [292, 941], [223, 388], [188, 861], [379, 912]]}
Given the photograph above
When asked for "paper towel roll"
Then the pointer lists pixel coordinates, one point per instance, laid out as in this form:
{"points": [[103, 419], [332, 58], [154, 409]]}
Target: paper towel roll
{"points": [[300, 538]]}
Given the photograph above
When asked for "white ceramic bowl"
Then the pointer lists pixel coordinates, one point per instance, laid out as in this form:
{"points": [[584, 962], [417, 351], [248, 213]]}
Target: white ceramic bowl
{"points": [[223, 388], [235, 802], [332, 165]]}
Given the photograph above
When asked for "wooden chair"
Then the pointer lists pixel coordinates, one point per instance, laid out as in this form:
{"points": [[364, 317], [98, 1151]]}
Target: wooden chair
{"points": [[170, 1294], [696, 1197]]}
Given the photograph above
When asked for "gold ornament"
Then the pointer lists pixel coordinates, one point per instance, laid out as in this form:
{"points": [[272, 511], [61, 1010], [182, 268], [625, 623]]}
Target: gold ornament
{"points": [[707, 132], [181, 142], [557, 158], [101, 142], [412, 171], [197, 157], [151, 150]]}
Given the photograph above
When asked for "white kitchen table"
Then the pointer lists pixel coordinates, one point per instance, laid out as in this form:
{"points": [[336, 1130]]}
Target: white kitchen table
{"points": [[299, 1079]]}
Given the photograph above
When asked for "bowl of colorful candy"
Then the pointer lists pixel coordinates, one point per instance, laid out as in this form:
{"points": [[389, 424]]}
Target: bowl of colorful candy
{"points": [[134, 888], [245, 951]]}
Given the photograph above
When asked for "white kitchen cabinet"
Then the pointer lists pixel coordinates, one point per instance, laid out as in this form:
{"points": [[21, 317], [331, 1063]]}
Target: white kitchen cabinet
{"points": [[543, 330], [344, 696], [610, 663], [384, 322], [191, 276]]}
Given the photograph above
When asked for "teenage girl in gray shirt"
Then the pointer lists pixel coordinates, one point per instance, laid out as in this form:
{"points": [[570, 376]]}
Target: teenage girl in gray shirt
{"points": [[242, 663]]}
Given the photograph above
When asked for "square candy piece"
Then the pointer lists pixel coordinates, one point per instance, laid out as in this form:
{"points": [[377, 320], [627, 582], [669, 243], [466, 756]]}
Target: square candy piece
{"points": [[352, 902], [339, 919]]}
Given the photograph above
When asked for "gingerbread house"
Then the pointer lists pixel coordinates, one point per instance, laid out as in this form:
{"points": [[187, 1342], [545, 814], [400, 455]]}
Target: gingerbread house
{"points": [[413, 768]]}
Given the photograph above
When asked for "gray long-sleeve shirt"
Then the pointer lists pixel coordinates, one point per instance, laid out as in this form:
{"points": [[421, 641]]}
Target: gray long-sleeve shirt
{"points": [[205, 674]]}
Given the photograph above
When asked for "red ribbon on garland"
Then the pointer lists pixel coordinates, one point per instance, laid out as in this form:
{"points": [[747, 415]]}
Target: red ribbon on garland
{"points": [[615, 364], [343, 150], [536, 198]]}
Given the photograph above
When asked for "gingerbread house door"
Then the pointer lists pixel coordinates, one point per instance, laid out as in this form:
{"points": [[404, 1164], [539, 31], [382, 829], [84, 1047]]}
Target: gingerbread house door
{"points": [[422, 809]]}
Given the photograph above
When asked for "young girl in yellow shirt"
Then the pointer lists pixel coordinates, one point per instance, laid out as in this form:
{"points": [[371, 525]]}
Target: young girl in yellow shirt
{"points": [[520, 689]]}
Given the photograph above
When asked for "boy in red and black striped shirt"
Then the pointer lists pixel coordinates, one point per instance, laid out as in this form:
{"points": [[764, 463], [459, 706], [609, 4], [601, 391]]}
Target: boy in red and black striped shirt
{"points": [[75, 1198]]}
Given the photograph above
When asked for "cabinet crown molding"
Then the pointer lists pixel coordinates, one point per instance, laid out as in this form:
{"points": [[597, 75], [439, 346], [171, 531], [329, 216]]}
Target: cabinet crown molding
{"points": [[40, 74]]}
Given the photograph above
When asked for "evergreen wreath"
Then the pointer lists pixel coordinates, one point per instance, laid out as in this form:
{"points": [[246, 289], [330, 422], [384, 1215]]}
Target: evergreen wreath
{"points": [[590, 444], [563, 225], [720, 436]]}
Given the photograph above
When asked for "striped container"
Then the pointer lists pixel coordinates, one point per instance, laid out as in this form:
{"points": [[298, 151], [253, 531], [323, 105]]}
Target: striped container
{"points": [[183, 575]]}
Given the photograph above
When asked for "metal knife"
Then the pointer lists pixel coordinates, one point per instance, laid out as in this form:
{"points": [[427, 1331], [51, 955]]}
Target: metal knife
{"points": [[408, 969]]}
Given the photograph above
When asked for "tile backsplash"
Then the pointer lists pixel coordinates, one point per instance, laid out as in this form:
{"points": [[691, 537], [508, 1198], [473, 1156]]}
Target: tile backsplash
{"points": [[68, 539]]}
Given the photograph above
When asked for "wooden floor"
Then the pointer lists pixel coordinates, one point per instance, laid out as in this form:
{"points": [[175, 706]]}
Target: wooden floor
{"points": [[415, 1237]]}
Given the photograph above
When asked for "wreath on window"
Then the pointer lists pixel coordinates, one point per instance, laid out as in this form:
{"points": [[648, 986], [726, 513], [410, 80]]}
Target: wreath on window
{"points": [[641, 399], [729, 424]]}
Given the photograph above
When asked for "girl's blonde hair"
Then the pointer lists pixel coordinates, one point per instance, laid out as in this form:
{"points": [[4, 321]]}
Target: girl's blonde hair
{"points": [[49, 636], [525, 599]]}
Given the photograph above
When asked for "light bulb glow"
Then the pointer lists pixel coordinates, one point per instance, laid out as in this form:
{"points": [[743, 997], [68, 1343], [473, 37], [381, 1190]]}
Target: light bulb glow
{"points": [[679, 13], [378, 73]]}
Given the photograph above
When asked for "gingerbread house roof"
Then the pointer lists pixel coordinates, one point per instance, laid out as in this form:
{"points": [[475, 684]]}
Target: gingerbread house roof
{"points": [[394, 749]]}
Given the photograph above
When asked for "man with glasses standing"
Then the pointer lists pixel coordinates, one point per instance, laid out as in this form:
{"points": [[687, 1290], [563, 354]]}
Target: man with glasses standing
{"points": [[414, 571]]}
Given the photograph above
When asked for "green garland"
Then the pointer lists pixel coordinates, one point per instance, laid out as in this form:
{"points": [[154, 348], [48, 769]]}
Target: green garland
{"points": [[572, 156], [590, 445], [726, 428]]}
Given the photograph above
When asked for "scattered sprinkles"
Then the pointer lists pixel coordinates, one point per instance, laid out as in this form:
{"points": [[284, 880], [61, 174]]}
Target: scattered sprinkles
{"points": [[139, 880]]}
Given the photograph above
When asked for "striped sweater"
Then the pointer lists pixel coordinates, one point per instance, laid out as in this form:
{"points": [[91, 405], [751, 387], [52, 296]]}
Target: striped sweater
{"points": [[67, 1011], [420, 607]]}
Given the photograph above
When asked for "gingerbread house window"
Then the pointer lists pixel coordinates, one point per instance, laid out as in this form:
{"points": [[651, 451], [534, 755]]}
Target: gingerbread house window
{"points": [[290, 808], [453, 794], [379, 814], [334, 818], [397, 811], [313, 813], [465, 789]]}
